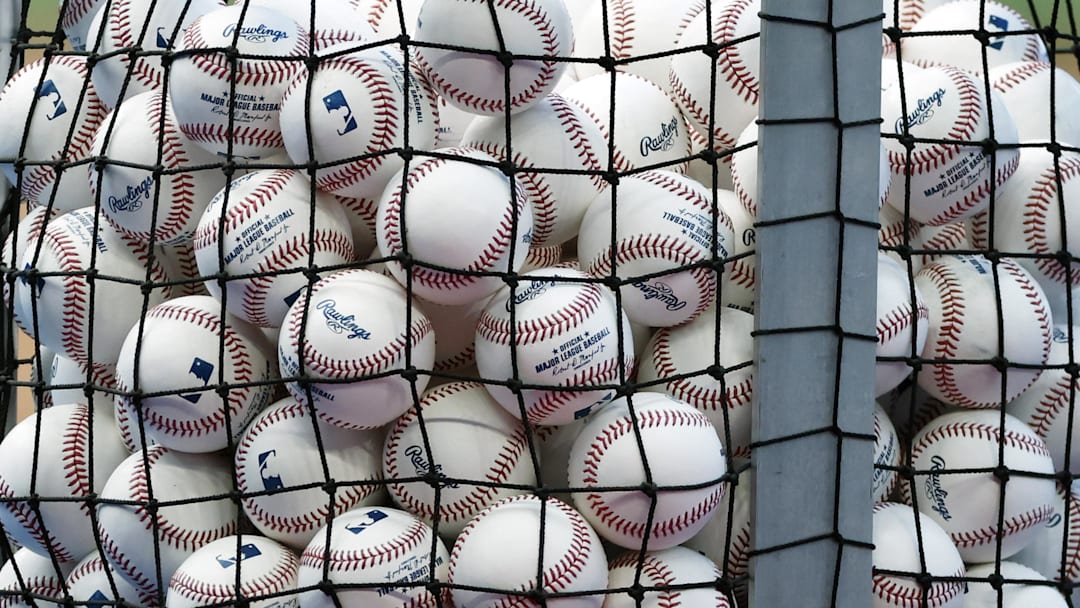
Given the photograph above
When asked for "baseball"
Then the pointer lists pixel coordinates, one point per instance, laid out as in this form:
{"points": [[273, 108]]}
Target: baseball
{"points": [[384, 18], [37, 575], [251, 567], [508, 535], [456, 414], [966, 504], [50, 453], [428, 215], [648, 129], [337, 23], [144, 25], [960, 293], [1060, 536], [935, 241], [455, 332], [1033, 215], [357, 327], [141, 202], [739, 279], [728, 106], [28, 230], [190, 378], [75, 20], [553, 135], [676, 361], [279, 452], [136, 539], [657, 571], [1011, 594], [663, 222], [886, 455], [948, 181], [45, 100], [247, 124], [903, 544], [359, 104], [966, 51], [480, 83], [60, 303], [261, 225], [1025, 85], [902, 323], [374, 545], [178, 262], [729, 548], [682, 449], [567, 331], [94, 580], [69, 381]]}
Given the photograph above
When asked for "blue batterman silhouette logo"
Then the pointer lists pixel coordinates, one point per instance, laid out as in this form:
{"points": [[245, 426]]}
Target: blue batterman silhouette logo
{"points": [[247, 551], [934, 490], [922, 112], [256, 34], [1002, 24], [162, 41], [339, 322], [132, 199], [270, 481], [335, 103], [661, 292], [372, 517], [48, 91], [664, 141], [202, 370]]}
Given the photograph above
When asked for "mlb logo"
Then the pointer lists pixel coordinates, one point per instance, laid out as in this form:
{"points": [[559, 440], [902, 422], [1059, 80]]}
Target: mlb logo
{"points": [[270, 480], [247, 551], [48, 91], [371, 518], [204, 371]]}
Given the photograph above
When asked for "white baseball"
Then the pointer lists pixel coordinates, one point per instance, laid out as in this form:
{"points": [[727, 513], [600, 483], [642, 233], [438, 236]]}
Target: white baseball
{"points": [[960, 292], [478, 82], [967, 51], [730, 550], [1011, 594], [143, 25], [948, 181], [1025, 85], [905, 545], [69, 380], [1059, 538], [635, 29], [261, 224], [134, 538], [36, 575], [565, 333], [358, 328], [64, 304], [739, 280], [729, 106], [704, 167], [648, 130], [360, 104], [966, 504], [902, 323], [28, 230], [1046, 405], [682, 449], [135, 201], [428, 214], [75, 21], [553, 444], [178, 262], [279, 452], [338, 23], [500, 549], [936, 241], [553, 135], [664, 224], [896, 234], [453, 415], [247, 124], [254, 568], [909, 13], [94, 580], [695, 575], [374, 545], [887, 455], [455, 332], [188, 348], [384, 18], [1034, 215], [56, 466], [53, 90], [677, 361]]}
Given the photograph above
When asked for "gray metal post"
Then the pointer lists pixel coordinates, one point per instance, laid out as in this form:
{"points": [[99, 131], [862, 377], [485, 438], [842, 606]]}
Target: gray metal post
{"points": [[817, 268]]}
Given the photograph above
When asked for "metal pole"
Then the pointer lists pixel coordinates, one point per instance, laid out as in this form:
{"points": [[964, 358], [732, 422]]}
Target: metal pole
{"points": [[817, 268]]}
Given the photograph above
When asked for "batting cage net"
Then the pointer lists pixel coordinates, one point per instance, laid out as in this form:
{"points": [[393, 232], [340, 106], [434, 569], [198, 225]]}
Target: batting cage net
{"points": [[564, 303]]}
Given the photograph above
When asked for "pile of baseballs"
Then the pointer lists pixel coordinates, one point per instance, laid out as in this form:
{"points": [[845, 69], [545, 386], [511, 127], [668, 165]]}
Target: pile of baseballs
{"points": [[328, 319]]}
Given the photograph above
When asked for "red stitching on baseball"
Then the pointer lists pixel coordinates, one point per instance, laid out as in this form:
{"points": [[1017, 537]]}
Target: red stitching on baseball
{"points": [[975, 430], [899, 319], [581, 307], [1012, 525], [367, 557], [280, 578], [248, 72], [31, 524], [1041, 201], [895, 592], [242, 208]]}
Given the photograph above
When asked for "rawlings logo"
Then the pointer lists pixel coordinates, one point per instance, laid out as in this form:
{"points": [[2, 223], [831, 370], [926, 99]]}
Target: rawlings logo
{"points": [[416, 457], [258, 34], [664, 141], [924, 111], [534, 290], [662, 293], [132, 199], [339, 322], [933, 488]]}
